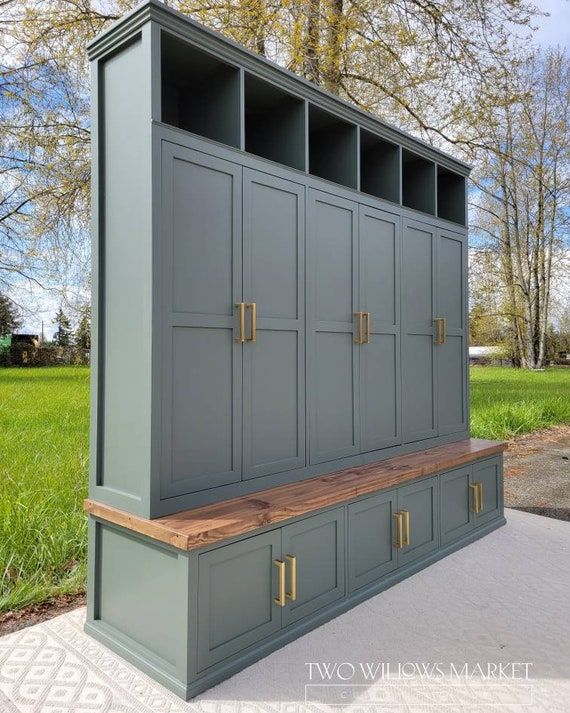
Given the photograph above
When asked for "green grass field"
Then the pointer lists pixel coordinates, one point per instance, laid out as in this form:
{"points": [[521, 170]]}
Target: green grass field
{"points": [[44, 450]]}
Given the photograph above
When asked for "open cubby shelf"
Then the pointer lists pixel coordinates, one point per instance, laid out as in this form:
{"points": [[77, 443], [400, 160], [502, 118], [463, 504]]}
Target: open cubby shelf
{"points": [[379, 167], [274, 123], [206, 96], [332, 148], [418, 182], [450, 195], [199, 93]]}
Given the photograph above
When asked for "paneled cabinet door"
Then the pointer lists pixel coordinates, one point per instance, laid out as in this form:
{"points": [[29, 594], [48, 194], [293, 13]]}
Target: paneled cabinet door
{"points": [[456, 497], [420, 501], [488, 474], [379, 288], [317, 546], [418, 363], [201, 361], [451, 357], [274, 364], [371, 551], [332, 300], [237, 587]]}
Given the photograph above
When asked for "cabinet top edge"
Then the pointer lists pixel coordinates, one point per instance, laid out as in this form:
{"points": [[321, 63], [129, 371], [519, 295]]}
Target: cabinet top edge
{"points": [[209, 524], [212, 41]]}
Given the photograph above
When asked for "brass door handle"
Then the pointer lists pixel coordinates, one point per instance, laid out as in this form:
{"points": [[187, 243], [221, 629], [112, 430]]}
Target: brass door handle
{"points": [[252, 307], [367, 337], [280, 598], [241, 336], [406, 518], [440, 330], [477, 500], [292, 595], [360, 317], [399, 530]]}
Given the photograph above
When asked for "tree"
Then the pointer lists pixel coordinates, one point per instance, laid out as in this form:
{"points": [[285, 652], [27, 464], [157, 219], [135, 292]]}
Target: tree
{"points": [[62, 336], [522, 207], [83, 331], [9, 316]]}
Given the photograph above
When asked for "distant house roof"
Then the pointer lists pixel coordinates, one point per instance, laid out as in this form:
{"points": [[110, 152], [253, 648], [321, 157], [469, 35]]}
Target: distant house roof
{"points": [[482, 352]]}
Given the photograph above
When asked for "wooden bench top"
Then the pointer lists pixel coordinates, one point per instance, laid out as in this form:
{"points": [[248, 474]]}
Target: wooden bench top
{"points": [[208, 524]]}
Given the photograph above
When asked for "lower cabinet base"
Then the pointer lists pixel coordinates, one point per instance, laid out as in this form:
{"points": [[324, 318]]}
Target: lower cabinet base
{"points": [[154, 621]]}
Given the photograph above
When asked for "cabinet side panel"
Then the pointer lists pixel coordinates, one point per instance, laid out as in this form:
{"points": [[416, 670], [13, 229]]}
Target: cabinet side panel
{"points": [[125, 273]]}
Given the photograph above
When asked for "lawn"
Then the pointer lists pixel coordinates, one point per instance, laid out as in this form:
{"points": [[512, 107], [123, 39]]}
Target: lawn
{"points": [[44, 415], [44, 461]]}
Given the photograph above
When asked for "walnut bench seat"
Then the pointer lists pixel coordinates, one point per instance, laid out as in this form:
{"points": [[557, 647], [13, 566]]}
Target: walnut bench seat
{"points": [[205, 525]]}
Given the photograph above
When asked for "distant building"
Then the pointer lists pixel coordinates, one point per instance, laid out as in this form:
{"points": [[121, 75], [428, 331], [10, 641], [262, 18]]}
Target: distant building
{"points": [[487, 355]]}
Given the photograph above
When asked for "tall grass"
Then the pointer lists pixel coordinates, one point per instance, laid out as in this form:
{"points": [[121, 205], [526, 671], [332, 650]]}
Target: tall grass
{"points": [[509, 402], [44, 416]]}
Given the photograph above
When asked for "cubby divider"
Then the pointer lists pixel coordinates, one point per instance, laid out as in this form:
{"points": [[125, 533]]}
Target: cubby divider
{"points": [[274, 123], [450, 195], [379, 167], [418, 182], [199, 93], [333, 148]]}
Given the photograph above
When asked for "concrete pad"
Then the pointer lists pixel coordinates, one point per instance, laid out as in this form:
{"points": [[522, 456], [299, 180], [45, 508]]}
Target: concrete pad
{"points": [[444, 632]]}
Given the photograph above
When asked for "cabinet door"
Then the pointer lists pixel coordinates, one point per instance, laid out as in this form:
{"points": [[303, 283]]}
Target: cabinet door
{"points": [[332, 299], [418, 364], [371, 551], [456, 504], [490, 474], [420, 500], [274, 365], [201, 281], [317, 543], [237, 585], [451, 356], [379, 258]]}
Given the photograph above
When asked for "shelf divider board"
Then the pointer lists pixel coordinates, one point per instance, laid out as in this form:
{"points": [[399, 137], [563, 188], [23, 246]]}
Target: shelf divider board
{"points": [[200, 93], [451, 196], [333, 148], [418, 182], [379, 167], [274, 123]]}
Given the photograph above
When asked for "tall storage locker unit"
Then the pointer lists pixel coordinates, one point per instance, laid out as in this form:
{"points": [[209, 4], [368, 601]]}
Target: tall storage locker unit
{"points": [[292, 435]]}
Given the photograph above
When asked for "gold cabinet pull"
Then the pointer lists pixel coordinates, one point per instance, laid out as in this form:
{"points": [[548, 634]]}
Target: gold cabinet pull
{"points": [[359, 316], [280, 598], [367, 337], [406, 518], [292, 595], [252, 307], [241, 336], [440, 330], [477, 490], [399, 530]]}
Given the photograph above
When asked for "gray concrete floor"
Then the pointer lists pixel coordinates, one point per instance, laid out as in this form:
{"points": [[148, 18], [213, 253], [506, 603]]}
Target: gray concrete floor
{"points": [[502, 600]]}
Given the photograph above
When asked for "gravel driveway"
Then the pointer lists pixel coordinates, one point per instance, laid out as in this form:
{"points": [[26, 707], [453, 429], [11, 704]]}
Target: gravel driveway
{"points": [[537, 473]]}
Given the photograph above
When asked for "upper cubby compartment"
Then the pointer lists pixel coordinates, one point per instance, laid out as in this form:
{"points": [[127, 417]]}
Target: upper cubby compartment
{"points": [[332, 148], [199, 93], [418, 182], [450, 195], [379, 167], [274, 123]]}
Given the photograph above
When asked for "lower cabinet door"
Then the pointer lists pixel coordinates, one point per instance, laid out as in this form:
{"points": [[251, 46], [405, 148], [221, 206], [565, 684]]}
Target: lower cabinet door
{"points": [[371, 551], [457, 518], [420, 501], [237, 585], [317, 546], [488, 474]]}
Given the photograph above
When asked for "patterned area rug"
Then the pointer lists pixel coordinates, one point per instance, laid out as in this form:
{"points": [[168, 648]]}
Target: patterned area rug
{"points": [[503, 599]]}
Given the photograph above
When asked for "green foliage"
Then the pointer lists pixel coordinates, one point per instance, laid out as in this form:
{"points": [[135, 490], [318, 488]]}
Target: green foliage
{"points": [[83, 331], [44, 416], [509, 402], [9, 318], [62, 336]]}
